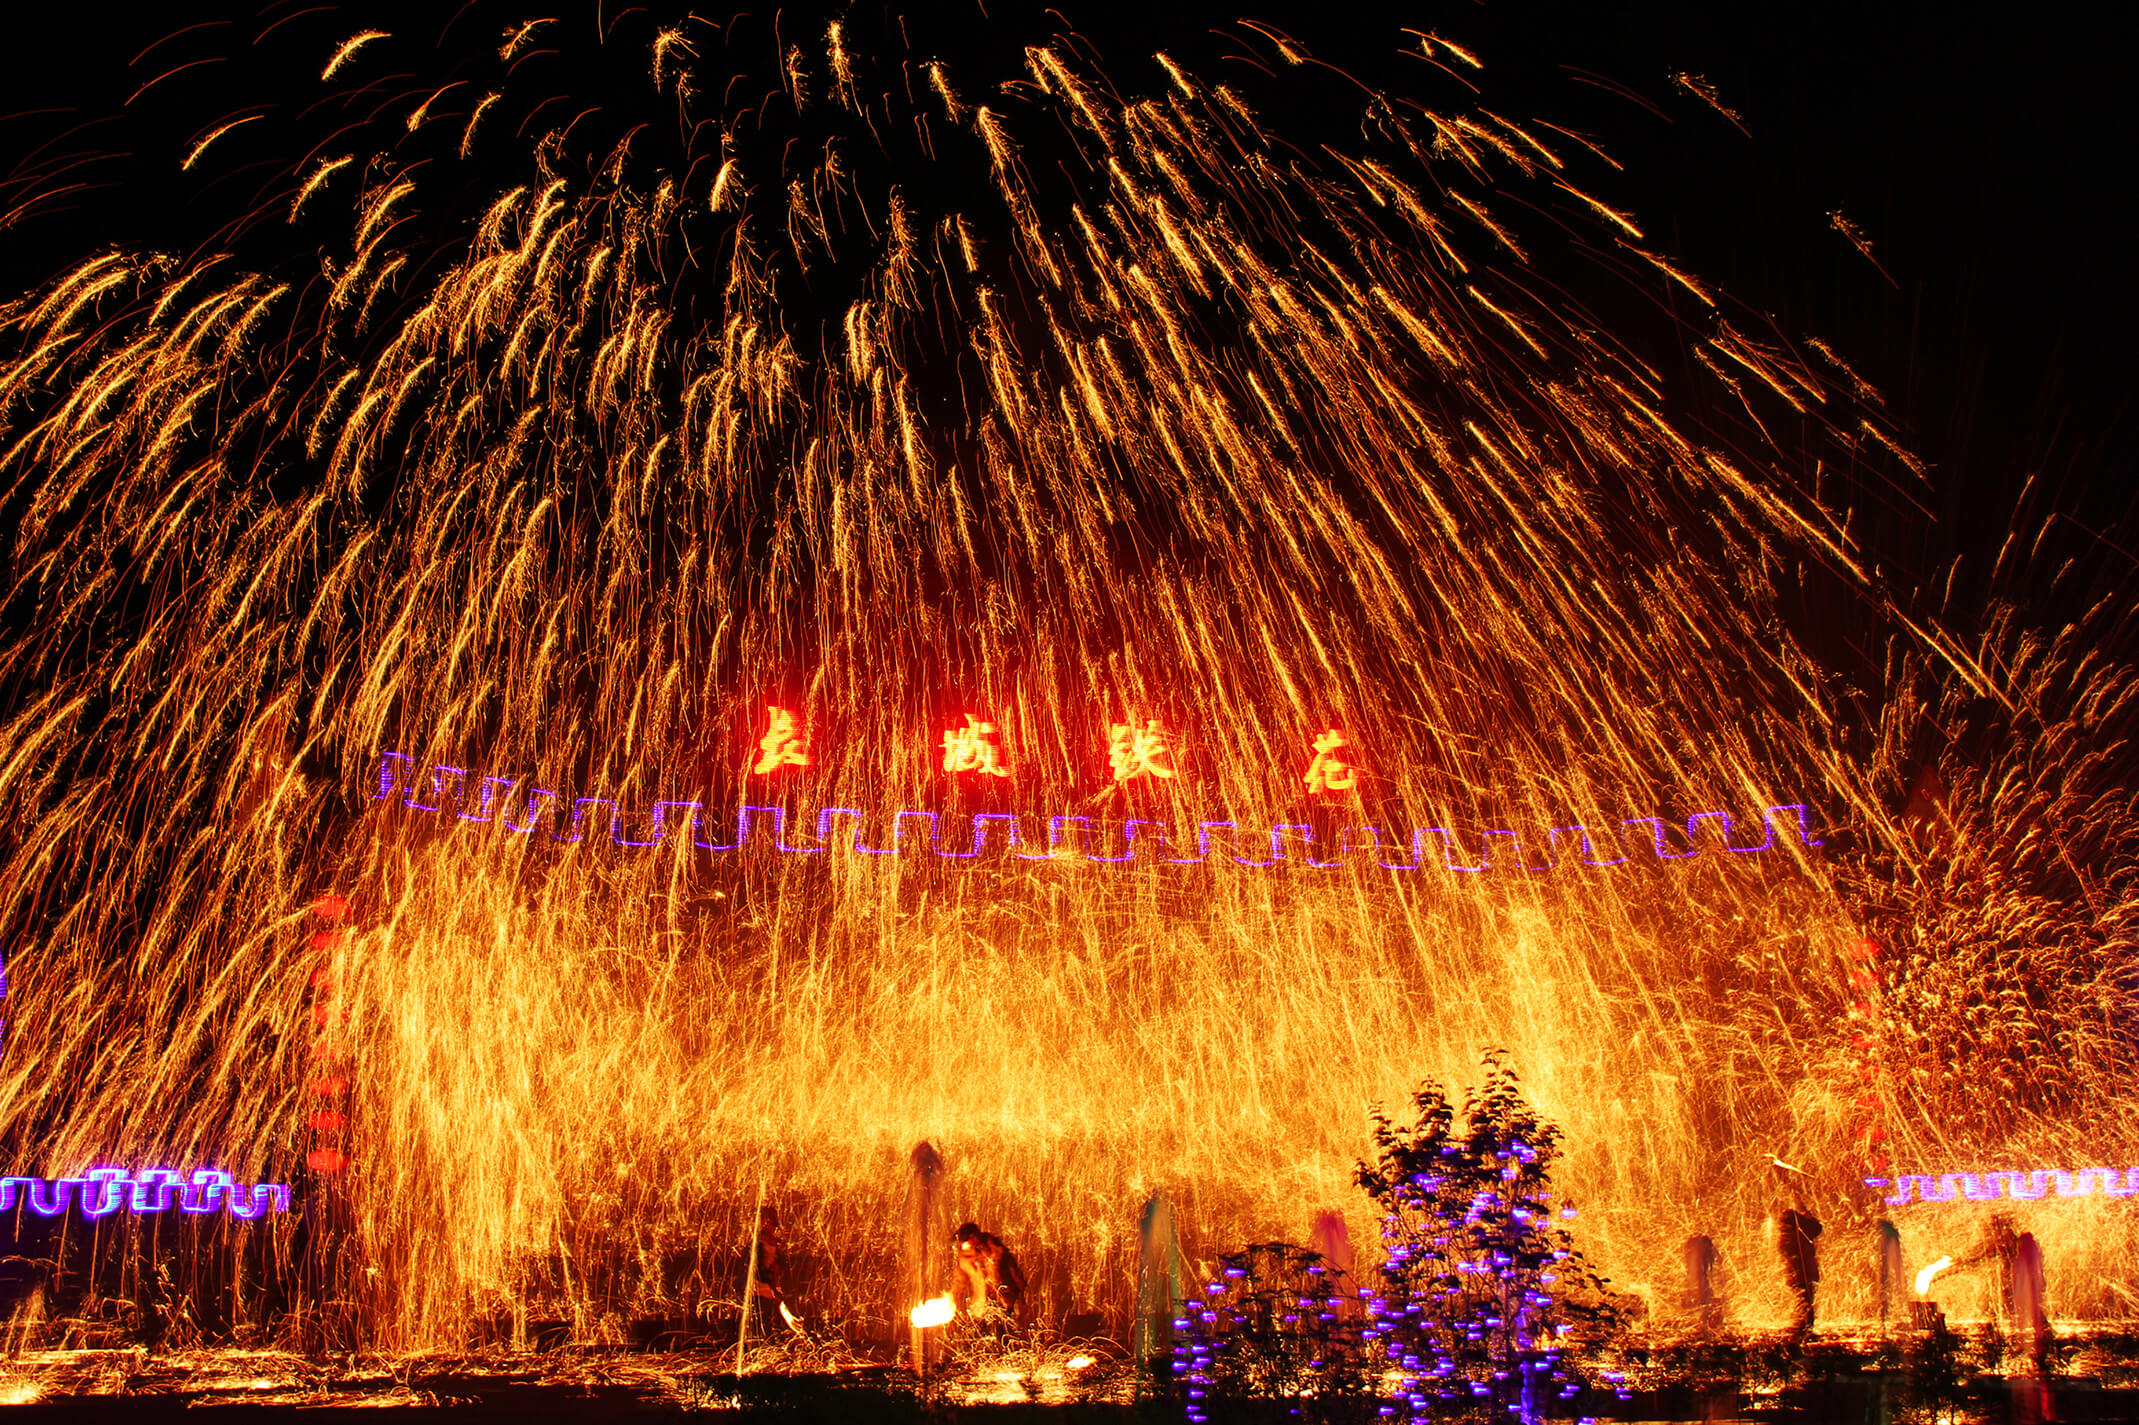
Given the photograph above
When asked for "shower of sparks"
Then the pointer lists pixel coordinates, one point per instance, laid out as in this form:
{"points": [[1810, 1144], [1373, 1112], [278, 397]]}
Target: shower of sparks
{"points": [[1701, 88], [1857, 239], [348, 51], [894, 387]]}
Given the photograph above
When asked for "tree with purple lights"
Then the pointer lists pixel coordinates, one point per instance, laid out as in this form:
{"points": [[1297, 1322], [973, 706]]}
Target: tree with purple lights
{"points": [[1278, 1323], [1483, 1291]]}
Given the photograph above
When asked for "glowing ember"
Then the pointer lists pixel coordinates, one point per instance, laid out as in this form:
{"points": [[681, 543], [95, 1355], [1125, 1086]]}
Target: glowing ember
{"points": [[1923, 1278], [935, 1311]]}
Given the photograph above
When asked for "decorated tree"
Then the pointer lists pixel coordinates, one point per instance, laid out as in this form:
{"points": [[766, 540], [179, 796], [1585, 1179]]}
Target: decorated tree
{"points": [[1278, 1323], [1483, 1291]]}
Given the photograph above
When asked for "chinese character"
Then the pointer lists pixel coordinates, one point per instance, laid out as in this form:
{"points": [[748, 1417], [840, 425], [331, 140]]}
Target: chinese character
{"points": [[783, 744], [972, 749], [1134, 751], [1327, 773]]}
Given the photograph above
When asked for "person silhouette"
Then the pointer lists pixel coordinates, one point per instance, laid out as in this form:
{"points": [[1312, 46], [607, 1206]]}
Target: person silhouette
{"points": [[1702, 1298], [988, 1279], [1796, 1237], [768, 1303]]}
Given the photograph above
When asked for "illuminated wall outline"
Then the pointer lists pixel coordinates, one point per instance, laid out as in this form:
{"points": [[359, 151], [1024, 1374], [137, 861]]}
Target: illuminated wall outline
{"points": [[2018, 1187], [104, 1191], [440, 789]]}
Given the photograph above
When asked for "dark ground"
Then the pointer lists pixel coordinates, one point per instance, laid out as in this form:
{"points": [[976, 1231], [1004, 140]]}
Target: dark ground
{"points": [[1749, 1379]]}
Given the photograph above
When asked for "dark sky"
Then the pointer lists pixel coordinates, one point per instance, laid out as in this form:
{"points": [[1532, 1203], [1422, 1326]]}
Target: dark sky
{"points": [[1983, 150]]}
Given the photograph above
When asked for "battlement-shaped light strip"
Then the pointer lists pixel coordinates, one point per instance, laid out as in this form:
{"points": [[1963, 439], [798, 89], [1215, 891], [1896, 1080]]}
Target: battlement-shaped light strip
{"points": [[102, 1191], [2025, 1186], [521, 810]]}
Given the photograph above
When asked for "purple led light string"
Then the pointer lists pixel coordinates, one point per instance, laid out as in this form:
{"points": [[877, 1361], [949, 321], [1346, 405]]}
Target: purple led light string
{"points": [[103, 1191], [2011, 1186], [1146, 841]]}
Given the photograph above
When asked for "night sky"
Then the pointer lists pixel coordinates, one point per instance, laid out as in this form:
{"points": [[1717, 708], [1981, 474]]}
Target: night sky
{"points": [[1983, 151]]}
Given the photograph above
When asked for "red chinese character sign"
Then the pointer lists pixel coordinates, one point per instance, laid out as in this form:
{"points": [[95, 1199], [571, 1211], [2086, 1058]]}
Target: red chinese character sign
{"points": [[1134, 751], [1329, 772], [973, 748], [785, 744]]}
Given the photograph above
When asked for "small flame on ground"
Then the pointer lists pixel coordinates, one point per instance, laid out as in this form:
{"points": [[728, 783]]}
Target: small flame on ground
{"points": [[1923, 1278], [933, 1312]]}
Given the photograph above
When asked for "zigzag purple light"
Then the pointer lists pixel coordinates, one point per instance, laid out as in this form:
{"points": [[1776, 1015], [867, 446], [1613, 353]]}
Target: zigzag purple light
{"points": [[1143, 840], [105, 1190], [2021, 1187]]}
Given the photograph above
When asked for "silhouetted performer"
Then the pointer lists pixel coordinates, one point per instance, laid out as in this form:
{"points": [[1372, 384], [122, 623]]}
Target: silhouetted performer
{"points": [[2020, 1283], [767, 1302], [1701, 1297], [1893, 1277], [2031, 1315], [1999, 1245], [989, 1276], [1796, 1237]]}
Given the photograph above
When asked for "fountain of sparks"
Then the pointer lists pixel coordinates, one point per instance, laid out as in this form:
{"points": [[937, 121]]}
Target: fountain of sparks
{"points": [[1011, 405]]}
